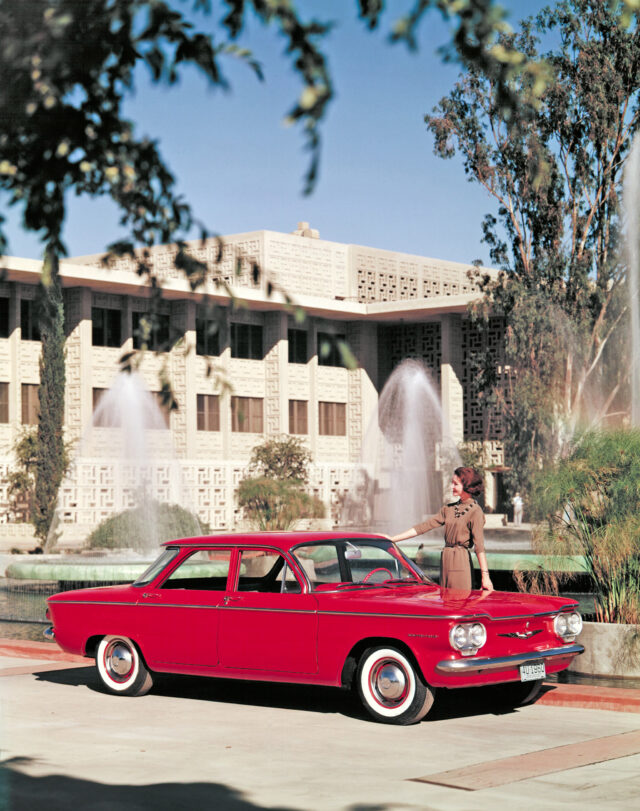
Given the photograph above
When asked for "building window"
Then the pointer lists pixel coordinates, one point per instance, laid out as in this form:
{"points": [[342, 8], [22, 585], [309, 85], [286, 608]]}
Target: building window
{"points": [[97, 395], [108, 418], [246, 414], [246, 341], [30, 403], [29, 325], [106, 326], [207, 337], [332, 419], [329, 350], [208, 412], [297, 339], [298, 417], [4, 317], [158, 338], [4, 402]]}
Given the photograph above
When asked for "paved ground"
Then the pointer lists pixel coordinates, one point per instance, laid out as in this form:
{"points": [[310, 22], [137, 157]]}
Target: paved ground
{"points": [[214, 744]]}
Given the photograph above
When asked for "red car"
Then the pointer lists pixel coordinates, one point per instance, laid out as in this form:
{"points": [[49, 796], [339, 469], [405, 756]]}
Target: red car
{"points": [[331, 608]]}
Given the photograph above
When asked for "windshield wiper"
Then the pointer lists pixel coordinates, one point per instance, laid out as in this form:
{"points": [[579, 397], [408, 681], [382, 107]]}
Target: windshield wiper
{"points": [[403, 581]]}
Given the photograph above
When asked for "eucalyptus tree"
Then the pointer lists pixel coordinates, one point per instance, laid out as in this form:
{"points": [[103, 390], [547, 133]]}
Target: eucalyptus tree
{"points": [[555, 182]]}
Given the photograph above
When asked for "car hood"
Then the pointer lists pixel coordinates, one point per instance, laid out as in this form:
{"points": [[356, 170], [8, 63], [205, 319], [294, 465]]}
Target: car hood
{"points": [[116, 594], [434, 601]]}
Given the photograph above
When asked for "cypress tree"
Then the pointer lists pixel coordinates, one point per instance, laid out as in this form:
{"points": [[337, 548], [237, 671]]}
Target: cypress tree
{"points": [[50, 451]]}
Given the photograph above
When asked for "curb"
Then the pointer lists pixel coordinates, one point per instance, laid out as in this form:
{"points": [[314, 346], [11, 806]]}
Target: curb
{"points": [[618, 699], [48, 651]]}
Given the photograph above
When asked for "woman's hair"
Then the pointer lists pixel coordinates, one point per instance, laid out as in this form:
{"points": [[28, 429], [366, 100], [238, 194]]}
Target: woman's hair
{"points": [[471, 480]]}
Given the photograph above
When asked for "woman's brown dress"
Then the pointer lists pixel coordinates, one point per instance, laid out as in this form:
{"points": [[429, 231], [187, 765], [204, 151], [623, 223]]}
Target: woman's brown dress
{"points": [[463, 523]]}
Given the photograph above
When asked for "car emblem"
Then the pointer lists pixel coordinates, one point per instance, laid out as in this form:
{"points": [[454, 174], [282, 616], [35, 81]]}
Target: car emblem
{"points": [[522, 634]]}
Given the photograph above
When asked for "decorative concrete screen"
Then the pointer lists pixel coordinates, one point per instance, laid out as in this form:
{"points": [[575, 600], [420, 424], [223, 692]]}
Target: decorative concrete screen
{"points": [[387, 276], [208, 488]]}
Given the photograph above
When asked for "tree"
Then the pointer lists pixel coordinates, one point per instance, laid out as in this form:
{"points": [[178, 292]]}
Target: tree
{"points": [[286, 458], [51, 456], [274, 497], [21, 480], [556, 181]]}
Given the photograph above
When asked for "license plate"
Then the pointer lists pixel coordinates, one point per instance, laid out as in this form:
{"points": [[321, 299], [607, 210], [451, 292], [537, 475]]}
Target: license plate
{"points": [[532, 672]]}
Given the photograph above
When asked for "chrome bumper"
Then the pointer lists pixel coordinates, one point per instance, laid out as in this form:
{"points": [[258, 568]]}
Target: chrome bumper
{"points": [[49, 634], [453, 666]]}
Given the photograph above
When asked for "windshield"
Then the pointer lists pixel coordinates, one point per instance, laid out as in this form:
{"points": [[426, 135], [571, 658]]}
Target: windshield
{"points": [[338, 563], [157, 566]]}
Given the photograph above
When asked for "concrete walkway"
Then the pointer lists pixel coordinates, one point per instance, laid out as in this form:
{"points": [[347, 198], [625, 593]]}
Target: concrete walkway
{"points": [[216, 744]]}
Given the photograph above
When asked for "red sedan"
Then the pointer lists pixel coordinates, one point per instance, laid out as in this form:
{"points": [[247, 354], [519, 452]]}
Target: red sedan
{"points": [[329, 608]]}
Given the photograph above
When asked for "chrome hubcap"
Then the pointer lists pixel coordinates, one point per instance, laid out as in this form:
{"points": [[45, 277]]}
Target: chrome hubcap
{"points": [[389, 683], [119, 661]]}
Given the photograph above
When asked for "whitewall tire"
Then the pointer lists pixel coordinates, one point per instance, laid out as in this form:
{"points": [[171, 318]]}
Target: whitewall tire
{"points": [[121, 668], [391, 688]]}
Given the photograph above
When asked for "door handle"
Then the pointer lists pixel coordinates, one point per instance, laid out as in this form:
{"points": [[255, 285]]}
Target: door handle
{"points": [[228, 600], [151, 594]]}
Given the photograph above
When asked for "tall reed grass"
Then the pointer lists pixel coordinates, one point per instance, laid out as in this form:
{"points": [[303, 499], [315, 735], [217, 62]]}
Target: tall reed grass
{"points": [[590, 505]]}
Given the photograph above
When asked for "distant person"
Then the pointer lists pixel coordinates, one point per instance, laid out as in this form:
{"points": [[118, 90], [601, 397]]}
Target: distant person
{"points": [[463, 522], [518, 504]]}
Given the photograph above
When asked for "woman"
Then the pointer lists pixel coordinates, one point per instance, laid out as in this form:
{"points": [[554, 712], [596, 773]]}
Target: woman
{"points": [[463, 522]]}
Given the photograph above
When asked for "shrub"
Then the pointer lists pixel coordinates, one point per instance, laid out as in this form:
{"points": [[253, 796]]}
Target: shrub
{"points": [[274, 497], [277, 504], [145, 526]]}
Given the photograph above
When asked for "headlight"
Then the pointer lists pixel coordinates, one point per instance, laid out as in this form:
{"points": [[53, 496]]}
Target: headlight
{"points": [[568, 626], [477, 635], [468, 637]]}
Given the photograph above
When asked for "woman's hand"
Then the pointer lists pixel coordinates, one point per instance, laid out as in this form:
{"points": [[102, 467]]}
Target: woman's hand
{"points": [[487, 585]]}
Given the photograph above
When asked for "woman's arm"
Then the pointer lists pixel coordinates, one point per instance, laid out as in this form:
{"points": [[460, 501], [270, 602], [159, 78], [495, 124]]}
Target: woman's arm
{"points": [[484, 570], [436, 520], [403, 536]]}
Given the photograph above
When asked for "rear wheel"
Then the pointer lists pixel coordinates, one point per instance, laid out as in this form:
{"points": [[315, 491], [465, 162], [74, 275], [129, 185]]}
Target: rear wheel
{"points": [[391, 687], [121, 668]]}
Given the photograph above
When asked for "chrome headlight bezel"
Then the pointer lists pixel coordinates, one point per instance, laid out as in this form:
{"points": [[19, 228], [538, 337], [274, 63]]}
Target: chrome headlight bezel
{"points": [[467, 637], [567, 625]]}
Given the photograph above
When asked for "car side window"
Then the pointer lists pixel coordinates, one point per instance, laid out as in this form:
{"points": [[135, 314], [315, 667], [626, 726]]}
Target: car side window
{"points": [[374, 564], [320, 562], [204, 570], [266, 571]]}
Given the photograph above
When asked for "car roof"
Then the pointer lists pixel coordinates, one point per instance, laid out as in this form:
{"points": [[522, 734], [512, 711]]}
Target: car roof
{"points": [[280, 540]]}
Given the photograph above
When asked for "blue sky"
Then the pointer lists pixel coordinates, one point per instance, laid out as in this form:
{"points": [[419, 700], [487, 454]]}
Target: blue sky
{"points": [[242, 170]]}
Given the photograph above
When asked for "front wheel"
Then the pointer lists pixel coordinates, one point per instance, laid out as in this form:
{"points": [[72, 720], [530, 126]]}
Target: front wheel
{"points": [[121, 668], [391, 688]]}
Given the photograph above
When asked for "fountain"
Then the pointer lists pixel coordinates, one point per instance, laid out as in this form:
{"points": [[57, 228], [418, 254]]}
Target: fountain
{"points": [[125, 461], [407, 456], [120, 495], [632, 207]]}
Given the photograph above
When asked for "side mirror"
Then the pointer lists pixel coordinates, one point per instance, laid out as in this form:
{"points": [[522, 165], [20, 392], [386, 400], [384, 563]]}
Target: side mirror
{"points": [[352, 552]]}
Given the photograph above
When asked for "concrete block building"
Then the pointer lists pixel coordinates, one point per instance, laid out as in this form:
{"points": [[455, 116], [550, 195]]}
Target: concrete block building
{"points": [[386, 305]]}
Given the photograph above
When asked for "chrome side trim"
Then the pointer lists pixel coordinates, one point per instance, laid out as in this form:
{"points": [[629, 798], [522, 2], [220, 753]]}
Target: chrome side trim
{"points": [[49, 634], [91, 602], [386, 616], [453, 666]]}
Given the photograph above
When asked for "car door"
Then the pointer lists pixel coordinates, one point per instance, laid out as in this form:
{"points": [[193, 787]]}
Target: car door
{"points": [[267, 622], [178, 619]]}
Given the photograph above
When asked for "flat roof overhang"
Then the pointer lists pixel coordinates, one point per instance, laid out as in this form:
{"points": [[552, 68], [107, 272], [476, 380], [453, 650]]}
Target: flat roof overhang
{"points": [[121, 282]]}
